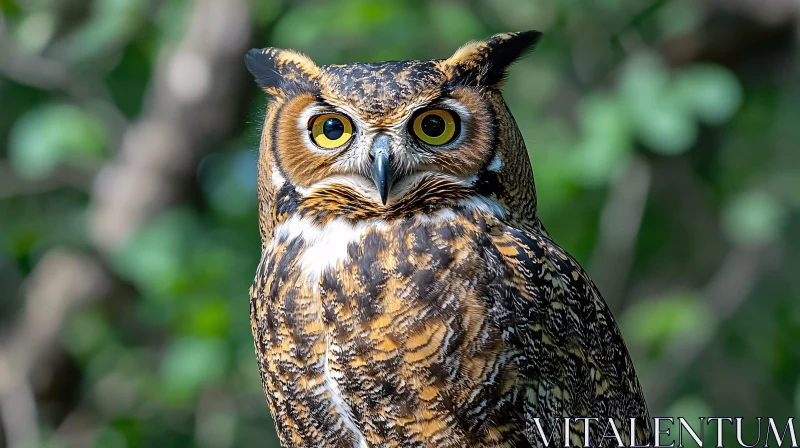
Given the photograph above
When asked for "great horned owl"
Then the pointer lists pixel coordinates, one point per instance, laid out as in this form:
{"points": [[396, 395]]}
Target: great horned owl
{"points": [[408, 295]]}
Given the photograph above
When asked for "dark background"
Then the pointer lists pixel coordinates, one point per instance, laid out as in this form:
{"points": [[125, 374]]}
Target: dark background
{"points": [[665, 137]]}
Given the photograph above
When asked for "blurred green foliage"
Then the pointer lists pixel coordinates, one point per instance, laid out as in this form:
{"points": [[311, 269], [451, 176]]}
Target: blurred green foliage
{"points": [[53, 135], [666, 155]]}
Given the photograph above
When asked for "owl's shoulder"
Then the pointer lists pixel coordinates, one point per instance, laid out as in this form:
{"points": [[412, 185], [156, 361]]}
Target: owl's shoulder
{"points": [[576, 362]]}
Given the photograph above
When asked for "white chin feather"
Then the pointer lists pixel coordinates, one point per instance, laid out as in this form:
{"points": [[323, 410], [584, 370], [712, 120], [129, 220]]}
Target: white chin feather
{"points": [[366, 188], [360, 184]]}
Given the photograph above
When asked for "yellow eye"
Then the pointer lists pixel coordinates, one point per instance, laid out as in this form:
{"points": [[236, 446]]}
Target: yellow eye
{"points": [[435, 127], [331, 130]]}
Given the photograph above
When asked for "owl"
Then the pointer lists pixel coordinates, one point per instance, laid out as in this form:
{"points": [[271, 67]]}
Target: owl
{"points": [[407, 294]]}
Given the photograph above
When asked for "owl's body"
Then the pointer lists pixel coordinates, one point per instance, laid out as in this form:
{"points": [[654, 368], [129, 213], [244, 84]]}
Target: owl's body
{"points": [[408, 295]]}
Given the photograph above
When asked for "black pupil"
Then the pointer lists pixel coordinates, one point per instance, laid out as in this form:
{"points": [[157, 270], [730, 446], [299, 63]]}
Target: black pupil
{"points": [[433, 125], [333, 128]]}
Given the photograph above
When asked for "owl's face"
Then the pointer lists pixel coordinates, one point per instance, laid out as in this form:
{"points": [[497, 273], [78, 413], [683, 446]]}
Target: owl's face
{"points": [[377, 138]]}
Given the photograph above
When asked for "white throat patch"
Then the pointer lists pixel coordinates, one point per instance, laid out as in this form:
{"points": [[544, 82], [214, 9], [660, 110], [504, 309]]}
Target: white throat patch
{"points": [[324, 245]]}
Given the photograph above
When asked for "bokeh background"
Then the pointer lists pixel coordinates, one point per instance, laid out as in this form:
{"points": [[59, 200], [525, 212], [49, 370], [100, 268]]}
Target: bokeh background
{"points": [[664, 134]]}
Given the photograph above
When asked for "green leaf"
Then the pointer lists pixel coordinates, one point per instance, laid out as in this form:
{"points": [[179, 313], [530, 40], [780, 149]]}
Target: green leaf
{"points": [[661, 118], [86, 332], [667, 128], [172, 18], [52, 135], [713, 93], [644, 84], [754, 218], [668, 320], [677, 18], [155, 259], [209, 318], [35, 31], [9, 7], [111, 21], [606, 140], [189, 364], [108, 437]]}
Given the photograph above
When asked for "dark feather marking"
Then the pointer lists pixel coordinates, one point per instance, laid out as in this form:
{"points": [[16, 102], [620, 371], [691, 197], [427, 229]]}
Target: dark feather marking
{"points": [[262, 66], [495, 55]]}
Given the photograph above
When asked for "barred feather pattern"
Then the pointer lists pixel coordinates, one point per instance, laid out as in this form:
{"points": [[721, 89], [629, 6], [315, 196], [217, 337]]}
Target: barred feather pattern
{"points": [[450, 330]]}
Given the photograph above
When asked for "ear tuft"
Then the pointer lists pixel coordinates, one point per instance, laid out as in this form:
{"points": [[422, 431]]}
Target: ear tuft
{"points": [[261, 64], [275, 69], [485, 62]]}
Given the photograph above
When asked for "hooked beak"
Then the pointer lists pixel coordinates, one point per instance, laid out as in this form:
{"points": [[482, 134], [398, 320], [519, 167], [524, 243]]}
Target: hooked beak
{"points": [[381, 169]]}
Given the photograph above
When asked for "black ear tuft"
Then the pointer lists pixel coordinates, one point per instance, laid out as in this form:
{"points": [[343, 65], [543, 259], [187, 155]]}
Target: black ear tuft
{"points": [[485, 62], [261, 64], [504, 52], [275, 70]]}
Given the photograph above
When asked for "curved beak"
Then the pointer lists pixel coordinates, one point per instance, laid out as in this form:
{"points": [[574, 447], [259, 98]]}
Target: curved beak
{"points": [[381, 168]]}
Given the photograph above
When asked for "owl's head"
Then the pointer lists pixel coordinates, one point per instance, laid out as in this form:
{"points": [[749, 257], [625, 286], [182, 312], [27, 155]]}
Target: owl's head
{"points": [[384, 140]]}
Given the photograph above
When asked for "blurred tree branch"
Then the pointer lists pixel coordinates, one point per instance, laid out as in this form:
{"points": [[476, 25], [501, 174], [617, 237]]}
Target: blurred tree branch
{"points": [[191, 104], [620, 222], [61, 282]]}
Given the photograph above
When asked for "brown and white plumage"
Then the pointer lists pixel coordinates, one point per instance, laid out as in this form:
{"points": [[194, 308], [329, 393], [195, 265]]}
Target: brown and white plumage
{"points": [[407, 294]]}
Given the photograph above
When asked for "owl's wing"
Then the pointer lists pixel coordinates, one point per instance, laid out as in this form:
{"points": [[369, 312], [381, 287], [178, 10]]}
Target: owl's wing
{"points": [[575, 362]]}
